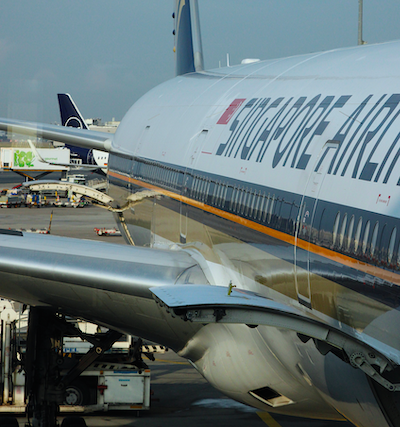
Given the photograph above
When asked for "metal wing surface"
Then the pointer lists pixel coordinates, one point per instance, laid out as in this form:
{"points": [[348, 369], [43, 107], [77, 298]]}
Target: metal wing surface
{"points": [[77, 137], [102, 282]]}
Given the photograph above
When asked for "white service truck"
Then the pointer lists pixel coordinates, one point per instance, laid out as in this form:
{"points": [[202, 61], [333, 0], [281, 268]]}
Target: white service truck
{"points": [[24, 159]]}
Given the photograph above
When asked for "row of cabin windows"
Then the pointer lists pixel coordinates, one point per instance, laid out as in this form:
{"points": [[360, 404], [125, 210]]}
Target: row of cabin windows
{"points": [[364, 242], [249, 203], [254, 204], [346, 234], [157, 174], [219, 194], [200, 188]]}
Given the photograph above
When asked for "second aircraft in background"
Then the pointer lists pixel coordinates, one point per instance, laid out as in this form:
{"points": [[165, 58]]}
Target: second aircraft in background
{"points": [[71, 117]]}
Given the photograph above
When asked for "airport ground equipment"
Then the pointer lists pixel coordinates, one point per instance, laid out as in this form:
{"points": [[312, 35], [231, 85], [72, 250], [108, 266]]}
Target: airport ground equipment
{"points": [[107, 231], [73, 366], [10, 200], [71, 187], [24, 159]]}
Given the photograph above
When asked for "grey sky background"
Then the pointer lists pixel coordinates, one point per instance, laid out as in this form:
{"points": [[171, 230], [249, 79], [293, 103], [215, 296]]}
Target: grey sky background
{"points": [[108, 53]]}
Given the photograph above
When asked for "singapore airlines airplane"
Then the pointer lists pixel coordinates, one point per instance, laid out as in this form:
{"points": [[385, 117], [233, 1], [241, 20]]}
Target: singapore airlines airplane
{"points": [[267, 233]]}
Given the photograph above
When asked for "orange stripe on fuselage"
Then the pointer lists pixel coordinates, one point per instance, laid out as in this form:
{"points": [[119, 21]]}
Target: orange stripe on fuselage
{"points": [[302, 244]]}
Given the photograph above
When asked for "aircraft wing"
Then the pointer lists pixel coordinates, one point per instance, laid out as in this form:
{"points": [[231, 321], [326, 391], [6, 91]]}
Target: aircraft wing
{"points": [[219, 304], [79, 137], [216, 304], [87, 279]]}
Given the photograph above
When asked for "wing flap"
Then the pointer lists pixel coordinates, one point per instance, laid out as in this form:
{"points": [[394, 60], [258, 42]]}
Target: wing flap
{"points": [[210, 304], [217, 304]]}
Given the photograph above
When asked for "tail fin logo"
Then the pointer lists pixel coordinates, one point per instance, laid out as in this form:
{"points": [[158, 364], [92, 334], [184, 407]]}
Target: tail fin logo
{"points": [[74, 122]]}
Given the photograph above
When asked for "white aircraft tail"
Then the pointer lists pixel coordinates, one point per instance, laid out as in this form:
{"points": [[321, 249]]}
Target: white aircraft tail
{"points": [[188, 47]]}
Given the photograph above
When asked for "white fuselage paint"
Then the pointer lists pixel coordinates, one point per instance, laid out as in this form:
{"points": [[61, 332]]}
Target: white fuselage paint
{"points": [[270, 123]]}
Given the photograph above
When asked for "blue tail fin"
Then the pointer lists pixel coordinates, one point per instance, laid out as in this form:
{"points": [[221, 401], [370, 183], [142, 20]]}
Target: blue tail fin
{"points": [[70, 115], [188, 48]]}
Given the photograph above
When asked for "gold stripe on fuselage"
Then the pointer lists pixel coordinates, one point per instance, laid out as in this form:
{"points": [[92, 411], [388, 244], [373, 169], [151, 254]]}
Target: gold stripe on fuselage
{"points": [[302, 244]]}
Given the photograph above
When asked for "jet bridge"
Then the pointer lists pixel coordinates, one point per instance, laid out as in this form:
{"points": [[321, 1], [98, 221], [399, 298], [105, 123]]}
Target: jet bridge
{"points": [[91, 193]]}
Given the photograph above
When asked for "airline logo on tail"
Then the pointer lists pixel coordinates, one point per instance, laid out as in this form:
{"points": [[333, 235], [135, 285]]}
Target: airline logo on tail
{"points": [[70, 115]]}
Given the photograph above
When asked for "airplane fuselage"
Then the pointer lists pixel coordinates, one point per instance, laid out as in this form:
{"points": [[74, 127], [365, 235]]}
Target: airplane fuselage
{"points": [[284, 176]]}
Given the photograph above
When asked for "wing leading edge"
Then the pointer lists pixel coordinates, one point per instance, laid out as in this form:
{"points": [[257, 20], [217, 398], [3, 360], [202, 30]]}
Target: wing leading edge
{"points": [[79, 137], [102, 282]]}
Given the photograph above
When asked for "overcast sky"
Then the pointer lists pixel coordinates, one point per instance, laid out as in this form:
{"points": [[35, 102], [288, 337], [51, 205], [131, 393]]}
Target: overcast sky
{"points": [[108, 53]]}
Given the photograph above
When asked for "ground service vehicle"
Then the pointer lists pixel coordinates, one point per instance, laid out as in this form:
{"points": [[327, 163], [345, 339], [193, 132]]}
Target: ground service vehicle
{"points": [[106, 384]]}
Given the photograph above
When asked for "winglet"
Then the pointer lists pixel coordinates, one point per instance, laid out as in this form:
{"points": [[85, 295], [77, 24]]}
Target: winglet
{"points": [[188, 47], [35, 152]]}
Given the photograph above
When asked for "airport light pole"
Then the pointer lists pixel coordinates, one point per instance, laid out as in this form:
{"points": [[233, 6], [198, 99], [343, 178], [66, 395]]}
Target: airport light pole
{"points": [[360, 23]]}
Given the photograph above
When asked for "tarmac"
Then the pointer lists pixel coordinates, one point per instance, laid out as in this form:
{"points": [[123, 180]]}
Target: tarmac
{"points": [[180, 395]]}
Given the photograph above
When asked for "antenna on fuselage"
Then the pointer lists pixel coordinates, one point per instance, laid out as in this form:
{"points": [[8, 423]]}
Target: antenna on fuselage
{"points": [[360, 23]]}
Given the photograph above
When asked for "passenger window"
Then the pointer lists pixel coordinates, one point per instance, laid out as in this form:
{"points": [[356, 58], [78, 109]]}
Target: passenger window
{"points": [[198, 187], [214, 199], [271, 208], [391, 245], [366, 235], [374, 238], [207, 191], [224, 195], [350, 232], [201, 189], [335, 228], [266, 205], [193, 187], [358, 234], [238, 194], [233, 199], [239, 206], [243, 201], [221, 195], [303, 226], [257, 202], [253, 201], [260, 209], [342, 230]]}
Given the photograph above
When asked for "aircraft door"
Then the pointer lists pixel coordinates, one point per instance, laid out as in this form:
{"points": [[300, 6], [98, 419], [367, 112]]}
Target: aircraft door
{"points": [[305, 222], [194, 149], [184, 209]]}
